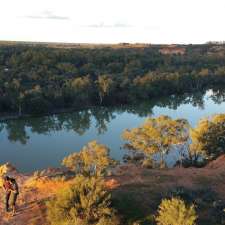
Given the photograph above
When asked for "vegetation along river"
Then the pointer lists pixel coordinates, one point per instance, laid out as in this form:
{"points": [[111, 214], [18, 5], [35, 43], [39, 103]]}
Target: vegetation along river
{"points": [[39, 142]]}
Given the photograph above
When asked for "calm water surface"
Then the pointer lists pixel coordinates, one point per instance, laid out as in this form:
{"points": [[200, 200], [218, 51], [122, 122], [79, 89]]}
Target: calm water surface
{"points": [[37, 143]]}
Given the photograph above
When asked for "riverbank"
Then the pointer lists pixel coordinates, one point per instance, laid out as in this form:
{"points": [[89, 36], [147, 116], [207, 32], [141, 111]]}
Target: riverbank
{"points": [[153, 101], [136, 191], [15, 116]]}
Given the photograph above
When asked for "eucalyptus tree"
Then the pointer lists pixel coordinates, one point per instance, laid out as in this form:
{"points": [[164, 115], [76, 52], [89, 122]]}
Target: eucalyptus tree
{"points": [[157, 135]]}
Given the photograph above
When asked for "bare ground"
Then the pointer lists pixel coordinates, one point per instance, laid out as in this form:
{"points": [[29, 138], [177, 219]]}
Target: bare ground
{"points": [[145, 184]]}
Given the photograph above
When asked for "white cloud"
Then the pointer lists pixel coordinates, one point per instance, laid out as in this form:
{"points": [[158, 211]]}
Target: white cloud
{"points": [[112, 21], [47, 15], [103, 25]]}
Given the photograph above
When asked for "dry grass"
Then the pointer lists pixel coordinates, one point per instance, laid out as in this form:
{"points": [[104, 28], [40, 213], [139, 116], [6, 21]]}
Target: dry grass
{"points": [[43, 184]]}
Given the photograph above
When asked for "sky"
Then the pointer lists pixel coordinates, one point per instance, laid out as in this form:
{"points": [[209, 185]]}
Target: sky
{"points": [[113, 21]]}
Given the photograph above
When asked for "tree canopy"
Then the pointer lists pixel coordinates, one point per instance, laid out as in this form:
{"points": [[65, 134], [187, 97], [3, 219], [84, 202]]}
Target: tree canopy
{"points": [[39, 79], [92, 159], [208, 138], [175, 212], [157, 135]]}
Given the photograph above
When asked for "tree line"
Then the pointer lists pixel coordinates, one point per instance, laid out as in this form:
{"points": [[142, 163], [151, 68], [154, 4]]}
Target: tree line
{"points": [[39, 79]]}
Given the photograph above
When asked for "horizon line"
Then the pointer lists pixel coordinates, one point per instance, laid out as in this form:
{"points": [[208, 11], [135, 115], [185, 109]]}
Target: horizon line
{"points": [[109, 43]]}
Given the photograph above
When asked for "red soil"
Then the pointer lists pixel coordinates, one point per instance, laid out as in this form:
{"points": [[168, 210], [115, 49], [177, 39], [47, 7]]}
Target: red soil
{"points": [[31, 201]]}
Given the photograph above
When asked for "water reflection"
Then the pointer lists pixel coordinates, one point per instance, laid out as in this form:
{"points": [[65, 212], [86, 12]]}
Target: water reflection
{"points": [[39, 142], [218, 95], [80, 122]]}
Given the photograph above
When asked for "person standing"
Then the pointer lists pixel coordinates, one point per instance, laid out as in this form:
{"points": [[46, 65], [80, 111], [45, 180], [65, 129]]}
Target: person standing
{"points": [[15, 193], [8, 189]]}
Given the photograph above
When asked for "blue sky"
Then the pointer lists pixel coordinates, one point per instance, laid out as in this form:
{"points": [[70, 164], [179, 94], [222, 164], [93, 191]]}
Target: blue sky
{"points": [[113, 21]]}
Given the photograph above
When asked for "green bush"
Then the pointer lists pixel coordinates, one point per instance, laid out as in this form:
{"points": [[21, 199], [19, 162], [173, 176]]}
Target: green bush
{"points": [[85, 202], [175, 212]]}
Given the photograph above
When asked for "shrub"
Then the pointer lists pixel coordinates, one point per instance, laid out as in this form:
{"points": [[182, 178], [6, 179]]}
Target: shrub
{"points": [[92, 159], [85, 202], [175, 212], [208, 138]]}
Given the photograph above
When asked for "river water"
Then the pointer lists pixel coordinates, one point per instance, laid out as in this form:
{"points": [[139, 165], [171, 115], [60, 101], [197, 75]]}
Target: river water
{"points": [[39, 142]]}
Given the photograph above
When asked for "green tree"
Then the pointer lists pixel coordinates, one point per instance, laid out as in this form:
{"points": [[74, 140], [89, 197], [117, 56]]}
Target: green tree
{"points": [[157, 135], [85, 202], [79, 89], [17, 94], [175, 212], [208, 138], [105, 85], [92, 159], [67, 69]]}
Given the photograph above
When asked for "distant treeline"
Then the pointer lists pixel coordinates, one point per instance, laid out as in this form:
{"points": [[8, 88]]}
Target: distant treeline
{"points": [[39, 79]]}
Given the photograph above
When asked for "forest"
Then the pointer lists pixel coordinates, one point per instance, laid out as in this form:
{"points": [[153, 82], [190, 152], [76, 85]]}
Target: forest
{"points": [[36, 79]]}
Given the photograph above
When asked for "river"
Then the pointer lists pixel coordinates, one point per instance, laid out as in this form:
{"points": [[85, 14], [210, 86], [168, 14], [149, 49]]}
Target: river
{"points": [[39, 142]]}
